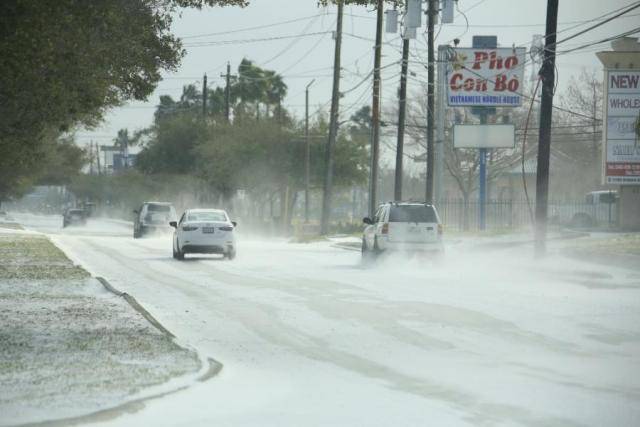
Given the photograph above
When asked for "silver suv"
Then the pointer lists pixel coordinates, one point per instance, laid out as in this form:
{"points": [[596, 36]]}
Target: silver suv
{"points": [[153, 216], [402, 226]]}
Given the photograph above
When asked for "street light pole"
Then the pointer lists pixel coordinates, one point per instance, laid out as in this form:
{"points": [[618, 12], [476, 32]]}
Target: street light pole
{"points": [[307, 158]]}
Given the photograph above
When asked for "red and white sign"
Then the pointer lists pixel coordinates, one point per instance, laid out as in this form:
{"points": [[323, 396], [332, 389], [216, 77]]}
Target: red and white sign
{"points": [[622, 148], [486, 77]]}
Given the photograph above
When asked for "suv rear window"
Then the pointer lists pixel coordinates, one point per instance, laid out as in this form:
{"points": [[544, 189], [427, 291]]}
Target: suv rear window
{"points": [[158, 208], [412, 213]]}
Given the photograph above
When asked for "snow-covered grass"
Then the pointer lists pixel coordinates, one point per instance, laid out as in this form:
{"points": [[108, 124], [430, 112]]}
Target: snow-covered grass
{"points": [[67, 346], [612, 244]]}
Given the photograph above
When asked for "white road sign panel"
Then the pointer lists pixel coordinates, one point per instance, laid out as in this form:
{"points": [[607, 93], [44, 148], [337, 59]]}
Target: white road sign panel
{"points": [[484, 136]]}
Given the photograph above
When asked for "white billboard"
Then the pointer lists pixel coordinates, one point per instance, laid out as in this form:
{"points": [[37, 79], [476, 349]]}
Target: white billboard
{"points": [[486, 77], [621, 148], [484, 136]]}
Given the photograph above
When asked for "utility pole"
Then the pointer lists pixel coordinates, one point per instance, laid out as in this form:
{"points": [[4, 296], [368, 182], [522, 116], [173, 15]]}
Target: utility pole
{"points": [[98, 158], [204, 96], [333, 127], [375, 113], [547, 74], [443, 58], [402, 108], [91, 158], [227, 93], [307, 154], [430, 104]]}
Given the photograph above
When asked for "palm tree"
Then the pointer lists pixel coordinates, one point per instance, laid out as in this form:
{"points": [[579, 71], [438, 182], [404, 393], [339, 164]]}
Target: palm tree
{"points": [[276, 91]]}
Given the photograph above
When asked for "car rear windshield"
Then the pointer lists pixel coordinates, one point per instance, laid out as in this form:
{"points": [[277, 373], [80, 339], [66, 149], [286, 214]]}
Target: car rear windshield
{"points": [[158, 208], [412, 213], [206, 216]]}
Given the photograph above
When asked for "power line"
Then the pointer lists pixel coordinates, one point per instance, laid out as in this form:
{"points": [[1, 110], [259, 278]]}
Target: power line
{"points": [[611, 18], [293, 42], [608, 39], [253, 40], [258, 27]]}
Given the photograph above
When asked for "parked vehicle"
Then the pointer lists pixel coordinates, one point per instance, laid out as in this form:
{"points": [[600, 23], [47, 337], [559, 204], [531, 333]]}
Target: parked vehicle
{"points": [[152, 217], [403, 227], [599, 208], [204, 231], [74, 216]]}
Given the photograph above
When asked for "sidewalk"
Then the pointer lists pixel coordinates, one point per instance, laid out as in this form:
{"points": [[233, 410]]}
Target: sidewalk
{"points": [[68, 347]]}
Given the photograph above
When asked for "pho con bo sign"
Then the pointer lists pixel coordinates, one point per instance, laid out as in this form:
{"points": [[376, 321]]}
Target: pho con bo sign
{"points": [[486, 77], [621, 148]]}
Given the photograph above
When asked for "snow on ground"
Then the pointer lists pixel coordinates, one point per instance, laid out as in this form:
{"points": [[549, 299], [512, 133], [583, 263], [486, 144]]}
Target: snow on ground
{"points": [[308, 336], [67, 346]]}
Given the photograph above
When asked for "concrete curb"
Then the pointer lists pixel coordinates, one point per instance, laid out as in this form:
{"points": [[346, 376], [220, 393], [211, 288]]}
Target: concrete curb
{"points": [[347, 247], [132, 406], [506, 245], [136, 306]]}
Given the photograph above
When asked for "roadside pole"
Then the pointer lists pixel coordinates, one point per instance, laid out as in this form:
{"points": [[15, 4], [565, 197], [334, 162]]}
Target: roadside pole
{"points": [[375, 112], [440, 121], [431, 11], [307, 154], [98, 158], [482, 190], [227, 93], [402, 108], [544, 144], [333, 128], [204, 96], [490, 42]]}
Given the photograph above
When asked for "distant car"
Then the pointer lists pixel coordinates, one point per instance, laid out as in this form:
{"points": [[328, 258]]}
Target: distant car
{"points": [[74, 216], [408, 227], [151, 217], [204, 231], [599, 208]]}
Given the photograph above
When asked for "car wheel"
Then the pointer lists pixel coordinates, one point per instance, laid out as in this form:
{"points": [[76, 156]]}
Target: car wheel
{"points": [[582, 220], [231, 254], [178, 252], [376, 249], [367, 254]]}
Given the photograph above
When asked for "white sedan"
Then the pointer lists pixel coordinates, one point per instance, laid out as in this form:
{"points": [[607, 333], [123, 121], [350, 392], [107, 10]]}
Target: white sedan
{"points": [[204, 231]]}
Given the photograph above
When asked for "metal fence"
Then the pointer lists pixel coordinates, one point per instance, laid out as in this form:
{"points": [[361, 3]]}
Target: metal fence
{"points": [[459, 215]]}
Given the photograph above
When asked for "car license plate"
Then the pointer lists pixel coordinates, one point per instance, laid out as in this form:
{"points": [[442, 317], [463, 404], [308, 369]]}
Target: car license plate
{"points": [[207, 230]]}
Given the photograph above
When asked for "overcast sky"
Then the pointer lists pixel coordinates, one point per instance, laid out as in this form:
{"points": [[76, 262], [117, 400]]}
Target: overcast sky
{"points": [[214, 36]]}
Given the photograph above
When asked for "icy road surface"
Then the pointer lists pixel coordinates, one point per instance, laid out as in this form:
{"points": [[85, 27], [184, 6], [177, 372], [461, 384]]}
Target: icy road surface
{"points": [[309, 337]]}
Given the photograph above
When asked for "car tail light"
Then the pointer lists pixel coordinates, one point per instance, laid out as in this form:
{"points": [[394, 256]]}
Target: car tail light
{"points": [[189, 228], [226, 228], [385, 228]]}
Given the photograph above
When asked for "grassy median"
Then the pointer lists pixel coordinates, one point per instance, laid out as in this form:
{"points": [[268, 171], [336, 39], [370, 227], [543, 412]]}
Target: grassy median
{"points": [[67, 346]]}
